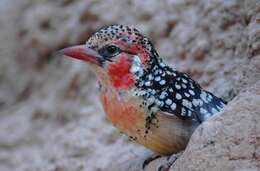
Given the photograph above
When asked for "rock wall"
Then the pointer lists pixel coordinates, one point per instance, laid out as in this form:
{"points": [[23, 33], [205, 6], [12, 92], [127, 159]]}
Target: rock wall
{"points": [[50, 115]]}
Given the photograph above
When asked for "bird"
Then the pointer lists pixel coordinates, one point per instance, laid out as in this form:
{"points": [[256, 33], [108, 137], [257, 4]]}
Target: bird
{"points": [[152, 103]]}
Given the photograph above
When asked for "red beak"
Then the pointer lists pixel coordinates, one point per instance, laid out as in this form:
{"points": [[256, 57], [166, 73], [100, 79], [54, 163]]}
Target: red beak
{"points": [[82, 52]]}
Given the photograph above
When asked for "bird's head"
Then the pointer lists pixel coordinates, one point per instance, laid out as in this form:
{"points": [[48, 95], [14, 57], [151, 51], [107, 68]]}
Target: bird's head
{"points": [[118, 55]]}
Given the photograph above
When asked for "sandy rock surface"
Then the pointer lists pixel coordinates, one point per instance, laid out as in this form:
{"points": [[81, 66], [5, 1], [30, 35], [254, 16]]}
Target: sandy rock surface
{"points": [[229, 141], [50, 115]]}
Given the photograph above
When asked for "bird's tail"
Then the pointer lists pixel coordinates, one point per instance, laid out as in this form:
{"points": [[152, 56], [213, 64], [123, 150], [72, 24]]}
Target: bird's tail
{"points": [[210, 105]]}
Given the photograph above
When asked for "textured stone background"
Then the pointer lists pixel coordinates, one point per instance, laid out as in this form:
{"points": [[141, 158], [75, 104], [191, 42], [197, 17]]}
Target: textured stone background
{"points": [[50, 116]]}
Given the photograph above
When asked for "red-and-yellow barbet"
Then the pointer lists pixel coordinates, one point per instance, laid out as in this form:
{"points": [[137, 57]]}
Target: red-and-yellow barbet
{"points": [[152, 103]]}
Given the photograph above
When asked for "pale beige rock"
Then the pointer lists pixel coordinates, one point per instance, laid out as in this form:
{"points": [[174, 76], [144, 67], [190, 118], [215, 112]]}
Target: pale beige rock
{"points": [[228, 141]]}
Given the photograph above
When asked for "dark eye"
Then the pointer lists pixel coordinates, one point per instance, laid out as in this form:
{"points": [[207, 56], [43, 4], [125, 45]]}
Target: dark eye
{"points": [[109, 51]]}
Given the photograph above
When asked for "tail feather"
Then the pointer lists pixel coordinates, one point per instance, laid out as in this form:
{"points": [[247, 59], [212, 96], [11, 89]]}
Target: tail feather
{"points": [[210, 106]]}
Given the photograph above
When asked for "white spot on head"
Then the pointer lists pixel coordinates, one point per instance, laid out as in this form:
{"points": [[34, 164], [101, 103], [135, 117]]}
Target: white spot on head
{"points": [[171, 90], [178, 96]]}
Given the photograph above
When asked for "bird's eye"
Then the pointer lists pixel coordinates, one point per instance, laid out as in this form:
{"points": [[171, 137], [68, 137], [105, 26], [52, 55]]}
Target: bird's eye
{"points": [[109, 51]]}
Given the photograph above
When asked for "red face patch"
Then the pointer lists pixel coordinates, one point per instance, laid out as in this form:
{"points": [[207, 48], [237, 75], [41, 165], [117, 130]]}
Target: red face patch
{"points": [[119, 73]]}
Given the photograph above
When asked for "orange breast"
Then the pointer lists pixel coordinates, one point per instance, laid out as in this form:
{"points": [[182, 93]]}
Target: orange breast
{"points": [[170, 135], [123, 111]]}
